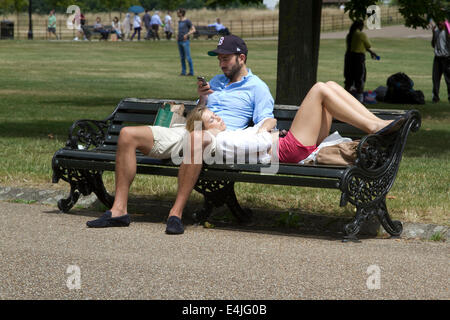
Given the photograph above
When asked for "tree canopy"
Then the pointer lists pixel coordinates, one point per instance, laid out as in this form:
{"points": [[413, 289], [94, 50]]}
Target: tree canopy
{"points": [[44, 6], [417, 13]]}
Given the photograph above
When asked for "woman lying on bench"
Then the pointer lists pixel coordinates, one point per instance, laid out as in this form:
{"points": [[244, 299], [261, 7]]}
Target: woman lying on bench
{"points": [[311, 124]]}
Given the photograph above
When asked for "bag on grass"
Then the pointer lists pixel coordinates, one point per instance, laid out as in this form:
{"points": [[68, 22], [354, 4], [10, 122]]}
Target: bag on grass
{"points": [[400, 90]]}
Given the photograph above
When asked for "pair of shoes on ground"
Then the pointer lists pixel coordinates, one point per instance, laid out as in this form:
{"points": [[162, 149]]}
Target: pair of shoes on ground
{"points": [[106, 221], [392, 127], [189, 74], [174, 224]]}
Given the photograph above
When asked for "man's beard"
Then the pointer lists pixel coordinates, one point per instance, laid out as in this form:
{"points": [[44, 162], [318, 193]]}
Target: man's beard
{"points": [[234, 71]]}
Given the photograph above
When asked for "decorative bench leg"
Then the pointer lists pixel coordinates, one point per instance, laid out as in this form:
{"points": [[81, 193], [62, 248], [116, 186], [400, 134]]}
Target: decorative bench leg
{"points": [[82, 182], [242, 215], [218, 193], [66, 204], [202, 215], [379, 209], [393, 227], [352, 229], [100, 190]]}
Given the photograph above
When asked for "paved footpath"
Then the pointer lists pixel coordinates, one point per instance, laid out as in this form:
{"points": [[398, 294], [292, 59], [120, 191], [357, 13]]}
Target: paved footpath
{"points": [[399, 31], [48, 255], [385, 32]]}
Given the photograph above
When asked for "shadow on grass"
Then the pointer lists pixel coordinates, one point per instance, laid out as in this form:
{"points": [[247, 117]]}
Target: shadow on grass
{"points": [[35, 129], [430, 143], [434, 111], [87, 101]]}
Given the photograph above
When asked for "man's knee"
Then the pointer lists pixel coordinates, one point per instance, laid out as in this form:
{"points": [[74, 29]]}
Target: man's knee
{"points": [[138, 137], [126, 135]]}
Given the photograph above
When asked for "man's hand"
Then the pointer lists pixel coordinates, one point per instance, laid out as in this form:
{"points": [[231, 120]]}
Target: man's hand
{"points": [[203, 91], [267, 125]]}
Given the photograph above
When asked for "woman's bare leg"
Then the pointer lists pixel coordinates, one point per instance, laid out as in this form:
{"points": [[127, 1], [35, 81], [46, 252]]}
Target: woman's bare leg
{"points": [[313, 119], [351, 100]]}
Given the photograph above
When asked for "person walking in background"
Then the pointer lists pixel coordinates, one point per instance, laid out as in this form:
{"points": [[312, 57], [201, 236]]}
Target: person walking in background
{"points": [[126, 26], [146, 20], [168, 29], [51, 24], [79, 21], [355, 59], [185, 28], [137, 27], [441, 63], [155, 23]]}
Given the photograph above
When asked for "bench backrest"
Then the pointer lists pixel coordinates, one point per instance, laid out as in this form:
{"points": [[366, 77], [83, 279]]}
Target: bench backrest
{"points": [[133, 112], [205, 30]]}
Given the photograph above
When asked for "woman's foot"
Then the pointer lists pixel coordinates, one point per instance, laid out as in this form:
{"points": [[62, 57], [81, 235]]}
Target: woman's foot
{"points": [[391, 126]]}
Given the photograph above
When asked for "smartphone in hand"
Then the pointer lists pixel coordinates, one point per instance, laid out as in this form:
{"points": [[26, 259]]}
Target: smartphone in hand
{"points": [[203, 80]]}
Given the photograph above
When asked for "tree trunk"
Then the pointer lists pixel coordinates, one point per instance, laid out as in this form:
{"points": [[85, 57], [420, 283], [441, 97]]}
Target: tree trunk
{"points": [[298, 49]]}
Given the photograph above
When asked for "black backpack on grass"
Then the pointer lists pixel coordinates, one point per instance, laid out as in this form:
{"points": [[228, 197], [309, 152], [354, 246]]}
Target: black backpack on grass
{"points": [[400, 90]]}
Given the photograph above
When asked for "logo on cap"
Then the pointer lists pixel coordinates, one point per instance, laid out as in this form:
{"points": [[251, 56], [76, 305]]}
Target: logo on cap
{"points": [[220, 41]]}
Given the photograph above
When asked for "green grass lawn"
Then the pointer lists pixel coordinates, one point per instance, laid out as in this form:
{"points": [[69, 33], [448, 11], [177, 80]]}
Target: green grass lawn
{"points": [[45, 86]]}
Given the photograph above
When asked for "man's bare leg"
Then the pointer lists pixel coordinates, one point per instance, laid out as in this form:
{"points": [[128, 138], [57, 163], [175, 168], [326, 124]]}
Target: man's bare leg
{"points": [[187, 177], [189, 172], [130, 139]]}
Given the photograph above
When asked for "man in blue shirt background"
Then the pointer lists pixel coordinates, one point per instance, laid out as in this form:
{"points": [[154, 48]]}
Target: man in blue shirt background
{"points": [[155, 22], [220, 28], [238, 96]]}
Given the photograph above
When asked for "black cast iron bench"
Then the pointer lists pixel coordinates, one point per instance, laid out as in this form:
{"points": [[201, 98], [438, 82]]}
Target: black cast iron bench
{"points": [[209, 32], [90, 150], [90, 31]]}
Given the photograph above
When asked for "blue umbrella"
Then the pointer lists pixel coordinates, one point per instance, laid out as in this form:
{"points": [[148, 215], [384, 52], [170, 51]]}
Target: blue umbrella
{"points": [[136, 9]]}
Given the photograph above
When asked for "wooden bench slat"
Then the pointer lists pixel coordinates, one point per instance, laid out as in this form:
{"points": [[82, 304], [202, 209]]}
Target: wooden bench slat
{"points": [[145, 119]]}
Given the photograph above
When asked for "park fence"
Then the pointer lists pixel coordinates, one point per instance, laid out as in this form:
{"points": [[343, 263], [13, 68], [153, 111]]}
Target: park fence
{"points": [[250, 28]]}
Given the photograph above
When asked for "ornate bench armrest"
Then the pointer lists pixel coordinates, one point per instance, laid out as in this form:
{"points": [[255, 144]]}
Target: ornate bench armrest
{"points": [[85, 134], [376, 152]]}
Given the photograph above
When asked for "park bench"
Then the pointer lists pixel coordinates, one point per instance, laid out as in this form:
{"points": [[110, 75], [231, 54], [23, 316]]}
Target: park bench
{"points": [[91, 145], [208, 31], [90, 32]]}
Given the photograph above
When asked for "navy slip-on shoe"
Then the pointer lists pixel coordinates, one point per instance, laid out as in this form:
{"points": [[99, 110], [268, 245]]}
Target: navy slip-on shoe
{"points": [[392, 127], [106, 221], [174, 225]]}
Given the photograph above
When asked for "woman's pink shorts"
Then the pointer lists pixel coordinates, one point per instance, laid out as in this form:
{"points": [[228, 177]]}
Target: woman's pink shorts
{"points": [[290, 150]]}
